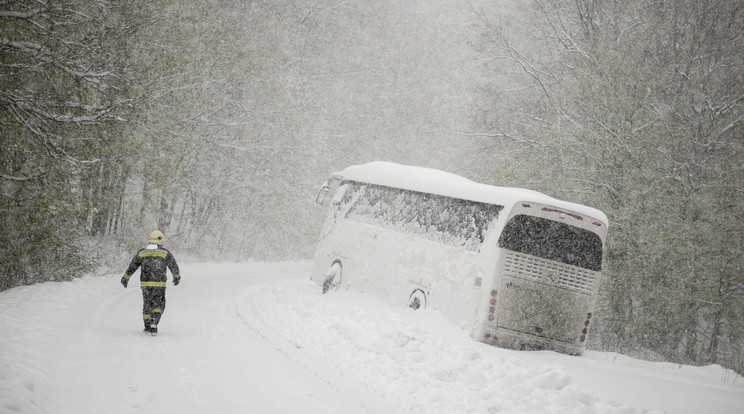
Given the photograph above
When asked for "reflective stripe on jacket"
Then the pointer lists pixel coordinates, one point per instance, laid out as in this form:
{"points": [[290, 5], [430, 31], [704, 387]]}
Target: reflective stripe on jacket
{"points": [[154, 261], [152, 284]]}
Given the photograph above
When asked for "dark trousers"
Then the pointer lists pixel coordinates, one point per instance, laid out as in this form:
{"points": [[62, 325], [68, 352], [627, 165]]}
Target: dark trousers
{"points": [[153, 304]]}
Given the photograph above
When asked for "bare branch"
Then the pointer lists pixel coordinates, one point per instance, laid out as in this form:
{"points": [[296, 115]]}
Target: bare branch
{"points": [[27, 178]]}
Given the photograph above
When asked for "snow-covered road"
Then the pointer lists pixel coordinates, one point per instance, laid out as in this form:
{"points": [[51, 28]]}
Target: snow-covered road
{"points": [[259, 338], [79, 348]]}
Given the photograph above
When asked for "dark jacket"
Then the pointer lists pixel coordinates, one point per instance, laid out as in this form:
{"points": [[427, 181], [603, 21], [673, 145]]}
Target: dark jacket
{"points": [[154, 259]]}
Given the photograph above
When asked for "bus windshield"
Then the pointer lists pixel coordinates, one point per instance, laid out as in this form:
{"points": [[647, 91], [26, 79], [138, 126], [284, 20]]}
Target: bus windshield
{"points": [[553, 240]]}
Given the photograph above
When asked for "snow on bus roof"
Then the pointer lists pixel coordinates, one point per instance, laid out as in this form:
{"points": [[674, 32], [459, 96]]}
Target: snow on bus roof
{"points": [[429, 180]]}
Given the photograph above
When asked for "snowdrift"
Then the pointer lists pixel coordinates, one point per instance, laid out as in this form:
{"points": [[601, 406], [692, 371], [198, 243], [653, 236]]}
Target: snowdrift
{"points": [[260, 338]]}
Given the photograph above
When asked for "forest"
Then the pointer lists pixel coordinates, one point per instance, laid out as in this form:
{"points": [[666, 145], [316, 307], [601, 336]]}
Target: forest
{"points": [[217, 122]]}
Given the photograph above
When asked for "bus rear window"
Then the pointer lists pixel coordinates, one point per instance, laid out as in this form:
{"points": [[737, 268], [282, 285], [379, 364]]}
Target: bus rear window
{"points": [[553, 240]]}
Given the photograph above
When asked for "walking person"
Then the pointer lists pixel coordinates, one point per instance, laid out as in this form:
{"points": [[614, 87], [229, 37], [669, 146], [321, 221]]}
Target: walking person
{"points": [[154, 259]]}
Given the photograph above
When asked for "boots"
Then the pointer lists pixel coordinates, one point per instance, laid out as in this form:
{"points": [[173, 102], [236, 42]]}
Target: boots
{"points": [[150, 328]]}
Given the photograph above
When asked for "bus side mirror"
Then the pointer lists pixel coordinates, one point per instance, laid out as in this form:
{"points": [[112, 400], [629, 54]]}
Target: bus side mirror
{"points": [[322, 193]]}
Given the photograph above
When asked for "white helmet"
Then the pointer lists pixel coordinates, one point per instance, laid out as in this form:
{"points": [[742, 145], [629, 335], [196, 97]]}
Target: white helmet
{"points": [[157, 237]]}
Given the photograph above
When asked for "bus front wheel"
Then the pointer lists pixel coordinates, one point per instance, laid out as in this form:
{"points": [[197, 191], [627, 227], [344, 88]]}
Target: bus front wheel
{"points": [[332, 277], [417, 300]]}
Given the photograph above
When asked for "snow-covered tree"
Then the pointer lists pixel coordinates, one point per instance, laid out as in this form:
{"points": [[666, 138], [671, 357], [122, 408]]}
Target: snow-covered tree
{"points": [[61, 107], [636, 108]]}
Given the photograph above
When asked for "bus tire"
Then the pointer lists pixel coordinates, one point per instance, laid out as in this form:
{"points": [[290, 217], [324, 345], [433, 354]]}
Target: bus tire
{"points": [[332, 277], [417, 300]]}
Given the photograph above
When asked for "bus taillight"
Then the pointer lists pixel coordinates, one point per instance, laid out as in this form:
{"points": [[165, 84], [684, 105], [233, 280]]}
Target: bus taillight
{"points": [[586, 327]]}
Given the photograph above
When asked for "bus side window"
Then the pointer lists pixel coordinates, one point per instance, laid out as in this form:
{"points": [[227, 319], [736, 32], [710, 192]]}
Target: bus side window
{"points": [[441, 219]]}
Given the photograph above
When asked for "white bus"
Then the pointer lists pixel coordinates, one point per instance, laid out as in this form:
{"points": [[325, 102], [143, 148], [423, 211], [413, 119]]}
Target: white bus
{"points": [[516, 268]]}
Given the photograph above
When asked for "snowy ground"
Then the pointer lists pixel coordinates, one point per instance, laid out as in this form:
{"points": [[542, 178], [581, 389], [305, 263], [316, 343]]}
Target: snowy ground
{"points": [[260, 338]]}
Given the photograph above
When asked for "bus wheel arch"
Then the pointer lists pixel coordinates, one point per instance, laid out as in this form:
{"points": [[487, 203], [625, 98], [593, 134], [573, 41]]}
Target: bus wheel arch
{"points": [[333, 276], [417, 300]]}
